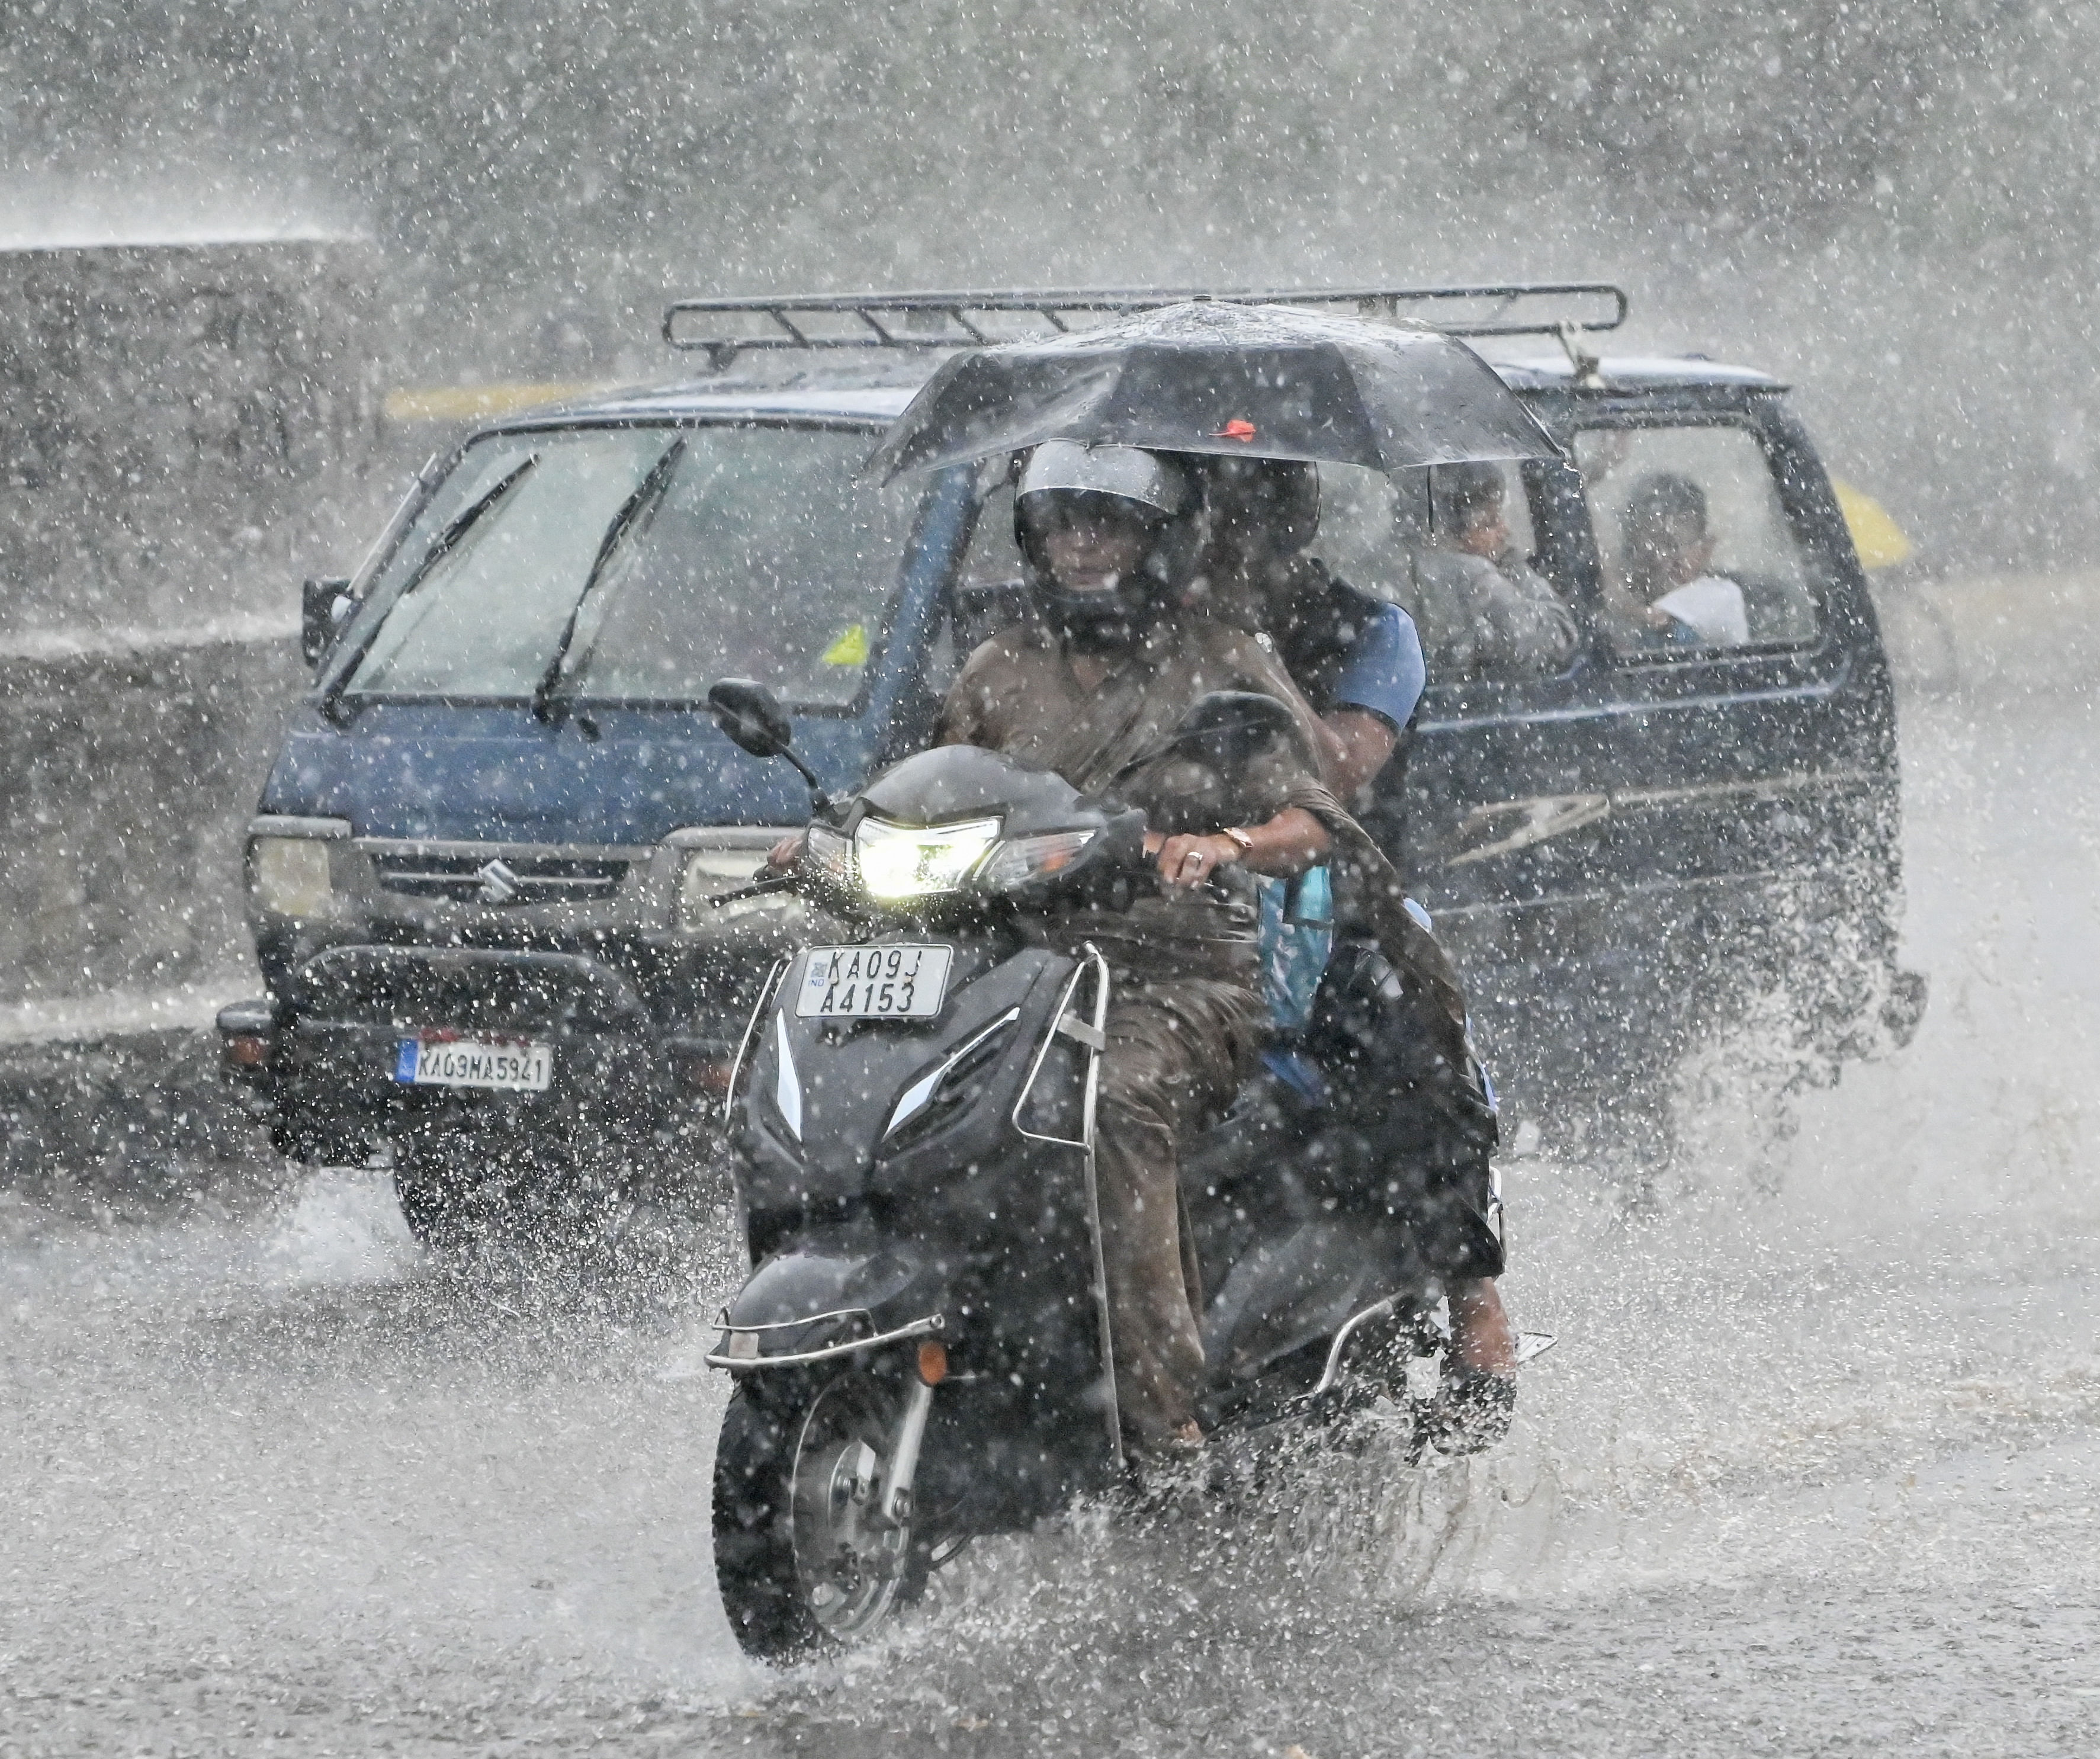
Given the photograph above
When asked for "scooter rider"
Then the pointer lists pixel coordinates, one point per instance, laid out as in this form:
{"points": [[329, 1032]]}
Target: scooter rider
{"points": [[1358, 661], [1092, 686]]}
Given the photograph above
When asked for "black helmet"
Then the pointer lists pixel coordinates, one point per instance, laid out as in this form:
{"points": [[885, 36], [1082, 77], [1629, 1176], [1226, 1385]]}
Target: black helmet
{"points": [[1064, 479], [1278, 496]]}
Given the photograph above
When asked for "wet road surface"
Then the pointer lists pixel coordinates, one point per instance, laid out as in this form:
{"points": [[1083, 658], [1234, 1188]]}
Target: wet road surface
{"points": [[1815, 1469]]}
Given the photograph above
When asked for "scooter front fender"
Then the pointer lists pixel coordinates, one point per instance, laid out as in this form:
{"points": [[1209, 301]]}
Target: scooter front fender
{"points": [[831, 1292]]}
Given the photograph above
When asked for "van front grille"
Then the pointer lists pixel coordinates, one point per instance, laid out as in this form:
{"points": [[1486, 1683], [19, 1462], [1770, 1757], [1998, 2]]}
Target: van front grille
{"points": [[503, 879]]}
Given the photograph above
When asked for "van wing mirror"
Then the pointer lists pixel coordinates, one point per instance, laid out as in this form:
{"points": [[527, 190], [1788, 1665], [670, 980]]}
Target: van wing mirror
{"points": [[324, 606], [752, 715], [1225, 728]]}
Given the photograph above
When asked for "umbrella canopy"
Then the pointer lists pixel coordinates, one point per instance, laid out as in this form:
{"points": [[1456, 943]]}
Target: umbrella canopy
{"points": [[1260, 382]]}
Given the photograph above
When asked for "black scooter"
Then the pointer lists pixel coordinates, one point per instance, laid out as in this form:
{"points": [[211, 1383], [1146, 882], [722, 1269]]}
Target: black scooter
{"points": [[921, 1352]]}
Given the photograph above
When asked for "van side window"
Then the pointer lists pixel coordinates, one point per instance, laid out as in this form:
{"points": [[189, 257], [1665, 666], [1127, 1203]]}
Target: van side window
{"points": [[1369, 522], [1457, 547], [1697, 553]]}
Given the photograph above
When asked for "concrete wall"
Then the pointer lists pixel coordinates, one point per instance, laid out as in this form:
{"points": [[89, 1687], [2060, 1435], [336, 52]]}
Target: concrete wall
{"points": [[128, 772], [184, 430], [124, 1126]]}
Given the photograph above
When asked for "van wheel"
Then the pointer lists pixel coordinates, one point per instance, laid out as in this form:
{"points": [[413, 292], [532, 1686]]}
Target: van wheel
{"points": [[462, 1189], [801, 1554], [439, 1218]]}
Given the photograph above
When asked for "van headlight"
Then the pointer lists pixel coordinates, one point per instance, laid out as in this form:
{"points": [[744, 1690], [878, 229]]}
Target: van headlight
{"points": [[900, 862], [707, 874], [288, 876]]}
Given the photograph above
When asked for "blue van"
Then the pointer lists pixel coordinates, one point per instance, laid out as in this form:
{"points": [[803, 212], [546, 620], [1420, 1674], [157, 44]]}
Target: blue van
{"points": [[489, 875]]}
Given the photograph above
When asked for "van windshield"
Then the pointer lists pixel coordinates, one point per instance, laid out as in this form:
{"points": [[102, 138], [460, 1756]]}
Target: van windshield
{"points": [[642, 564]]}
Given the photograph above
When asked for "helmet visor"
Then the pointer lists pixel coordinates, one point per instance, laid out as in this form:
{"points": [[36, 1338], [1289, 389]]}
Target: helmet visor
{"points": [[1125, 472], [1050, 511]]}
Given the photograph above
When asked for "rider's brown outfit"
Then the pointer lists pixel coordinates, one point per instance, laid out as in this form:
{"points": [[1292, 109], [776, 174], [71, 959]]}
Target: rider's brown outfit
{"points": [[1186, 1016]]}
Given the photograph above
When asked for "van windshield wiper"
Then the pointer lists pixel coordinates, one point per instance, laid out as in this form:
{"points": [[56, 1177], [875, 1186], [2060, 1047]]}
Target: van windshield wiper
{"points": [[633, 516], [455, 534], [445, 543]]}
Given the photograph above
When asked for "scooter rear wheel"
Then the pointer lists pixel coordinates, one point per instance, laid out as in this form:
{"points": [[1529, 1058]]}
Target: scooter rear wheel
{"points": [[802, 1554]]}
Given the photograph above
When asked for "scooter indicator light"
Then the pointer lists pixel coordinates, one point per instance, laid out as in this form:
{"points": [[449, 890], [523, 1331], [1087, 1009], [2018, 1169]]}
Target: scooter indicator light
{"points": [[933, 1361]]}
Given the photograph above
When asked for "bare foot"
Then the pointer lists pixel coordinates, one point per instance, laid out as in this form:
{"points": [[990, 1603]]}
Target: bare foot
{"points": [[1481, 1340]]}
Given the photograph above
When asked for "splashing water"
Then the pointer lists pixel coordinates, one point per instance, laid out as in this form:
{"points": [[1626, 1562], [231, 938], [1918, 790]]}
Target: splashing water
{"points": [[1812, 1467]]}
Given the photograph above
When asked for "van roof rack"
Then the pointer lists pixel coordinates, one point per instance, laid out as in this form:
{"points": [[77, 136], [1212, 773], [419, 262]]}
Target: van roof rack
{"points": [[722, 328]]}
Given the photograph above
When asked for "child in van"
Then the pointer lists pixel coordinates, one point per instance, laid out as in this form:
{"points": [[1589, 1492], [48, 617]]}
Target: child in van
{"points": [[1667, 551]]}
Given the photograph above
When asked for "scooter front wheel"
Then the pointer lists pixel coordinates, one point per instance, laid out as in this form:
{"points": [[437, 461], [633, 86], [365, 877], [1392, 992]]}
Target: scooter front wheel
{"points": [[804, 1552]]}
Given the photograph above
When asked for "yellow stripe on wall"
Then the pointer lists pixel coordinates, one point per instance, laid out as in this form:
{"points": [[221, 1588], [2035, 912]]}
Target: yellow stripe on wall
{"points": [[469, 403]]}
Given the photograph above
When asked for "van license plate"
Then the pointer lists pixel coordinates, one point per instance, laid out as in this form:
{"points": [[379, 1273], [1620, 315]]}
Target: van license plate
{"points": [[515, 1065], [874, 982]]}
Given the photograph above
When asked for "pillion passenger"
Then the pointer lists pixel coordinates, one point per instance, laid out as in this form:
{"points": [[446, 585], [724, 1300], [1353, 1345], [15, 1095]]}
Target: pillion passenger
{"points": [[1482, 610], [1357, 660], [1093, 686]]}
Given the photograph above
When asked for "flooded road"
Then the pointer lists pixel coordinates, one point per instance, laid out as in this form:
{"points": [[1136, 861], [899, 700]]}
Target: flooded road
{"points": [[1815, 1469]]}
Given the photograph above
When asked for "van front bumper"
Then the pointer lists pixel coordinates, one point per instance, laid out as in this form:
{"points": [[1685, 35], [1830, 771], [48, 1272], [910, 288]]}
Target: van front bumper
{"points": [[330, 1067]]}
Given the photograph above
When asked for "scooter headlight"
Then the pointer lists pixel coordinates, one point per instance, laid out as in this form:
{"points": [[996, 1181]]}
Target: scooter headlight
{"points": [[828, 853], [902, 861]]}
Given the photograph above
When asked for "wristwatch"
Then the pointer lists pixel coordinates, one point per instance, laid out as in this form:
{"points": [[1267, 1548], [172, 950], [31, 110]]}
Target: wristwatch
{"points": [[1239, 836]]}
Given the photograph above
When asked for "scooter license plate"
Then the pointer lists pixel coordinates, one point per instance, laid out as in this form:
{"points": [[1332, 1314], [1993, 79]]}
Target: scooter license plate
{"points": [[874, 982], [516, 1066]]}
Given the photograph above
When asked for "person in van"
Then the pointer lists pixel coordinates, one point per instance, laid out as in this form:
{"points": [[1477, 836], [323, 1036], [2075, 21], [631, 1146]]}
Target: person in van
{"points": [[1482, 610], [1666, 551]]}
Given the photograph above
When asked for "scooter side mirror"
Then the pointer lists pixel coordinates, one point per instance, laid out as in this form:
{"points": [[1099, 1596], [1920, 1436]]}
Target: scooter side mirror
{"points": [[1225, 728], [752, 715]]}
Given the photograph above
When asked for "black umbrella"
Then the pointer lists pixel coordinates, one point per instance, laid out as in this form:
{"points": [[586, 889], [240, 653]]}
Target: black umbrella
{"points": [[1261, 381]]}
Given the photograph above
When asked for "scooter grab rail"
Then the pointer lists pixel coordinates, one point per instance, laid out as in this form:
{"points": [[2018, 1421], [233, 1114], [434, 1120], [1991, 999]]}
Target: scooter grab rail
{"points": [[918, 1328], [1061, 1013], [766, 992], [1332, 1372], [1113, 1401]]}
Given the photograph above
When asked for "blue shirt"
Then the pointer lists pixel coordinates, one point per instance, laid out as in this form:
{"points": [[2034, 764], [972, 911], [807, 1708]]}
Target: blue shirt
{"points": [[1382, 671]]}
